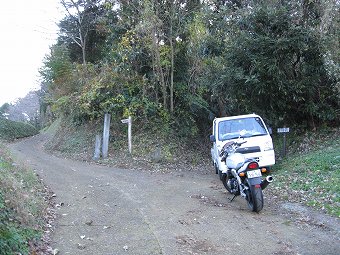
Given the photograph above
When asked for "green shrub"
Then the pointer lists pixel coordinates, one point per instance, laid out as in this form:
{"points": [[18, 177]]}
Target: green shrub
{"points": [[14, 237], [10, 130]]}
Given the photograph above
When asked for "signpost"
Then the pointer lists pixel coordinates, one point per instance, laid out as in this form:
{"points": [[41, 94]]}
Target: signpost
{"points": [[283, 130], [129, 122]]}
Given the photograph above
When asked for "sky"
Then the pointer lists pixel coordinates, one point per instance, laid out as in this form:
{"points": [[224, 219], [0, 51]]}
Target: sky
{"points": [[27, 29]]}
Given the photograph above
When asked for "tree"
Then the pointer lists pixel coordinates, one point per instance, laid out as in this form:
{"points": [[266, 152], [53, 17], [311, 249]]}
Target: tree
{"points": [[273, 65], [57, 70], [83, 16], [181, 61], [164, 25], [4, 109]]}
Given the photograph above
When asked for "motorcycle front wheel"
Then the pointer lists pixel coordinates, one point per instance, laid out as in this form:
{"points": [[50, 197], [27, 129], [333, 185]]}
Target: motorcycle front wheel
{"points": [[225, 182], [231, 185], [255, 198]]}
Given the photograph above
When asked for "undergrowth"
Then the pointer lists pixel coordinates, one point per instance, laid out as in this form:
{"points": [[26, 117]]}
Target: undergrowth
{"points": [[153, 146], [310, 173], [22, 207]]}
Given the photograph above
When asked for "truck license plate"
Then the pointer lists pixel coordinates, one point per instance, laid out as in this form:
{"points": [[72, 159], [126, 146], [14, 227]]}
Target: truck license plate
{"points": [[254, 173]]}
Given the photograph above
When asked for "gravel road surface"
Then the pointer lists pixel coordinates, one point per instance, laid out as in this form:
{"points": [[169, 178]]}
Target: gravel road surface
{"points": [[105, 210]]}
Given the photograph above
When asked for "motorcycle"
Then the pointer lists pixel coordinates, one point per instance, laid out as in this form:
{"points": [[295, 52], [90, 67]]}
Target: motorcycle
{"points": [[243, 176]]}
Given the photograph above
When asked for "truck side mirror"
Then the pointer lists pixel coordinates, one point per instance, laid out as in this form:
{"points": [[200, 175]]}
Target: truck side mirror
{"points": [[212, 138], [270, 130]]}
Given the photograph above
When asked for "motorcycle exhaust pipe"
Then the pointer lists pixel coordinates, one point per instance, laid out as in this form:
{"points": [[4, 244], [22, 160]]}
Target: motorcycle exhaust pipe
{"points": [[266, 181]]}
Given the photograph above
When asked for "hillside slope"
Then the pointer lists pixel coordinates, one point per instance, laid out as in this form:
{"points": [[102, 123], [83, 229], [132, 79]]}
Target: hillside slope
{"points": [[310, 174]]}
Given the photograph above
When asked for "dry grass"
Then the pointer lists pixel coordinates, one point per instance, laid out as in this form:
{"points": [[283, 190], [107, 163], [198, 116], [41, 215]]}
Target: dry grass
{"points": [[23, 206]]}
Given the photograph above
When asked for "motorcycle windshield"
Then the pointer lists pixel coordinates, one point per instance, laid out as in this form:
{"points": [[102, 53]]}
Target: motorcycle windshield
{"points": [[243, 128]]}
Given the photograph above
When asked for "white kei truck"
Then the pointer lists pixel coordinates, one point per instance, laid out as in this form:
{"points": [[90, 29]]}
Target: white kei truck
{"points": [[250, 128]]}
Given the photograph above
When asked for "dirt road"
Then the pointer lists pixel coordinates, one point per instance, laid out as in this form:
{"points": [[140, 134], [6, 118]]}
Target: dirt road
{"points": [[104, 210]]}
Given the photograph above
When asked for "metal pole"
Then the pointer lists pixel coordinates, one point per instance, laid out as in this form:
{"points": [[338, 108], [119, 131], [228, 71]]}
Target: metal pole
{"points": [[130, 134], [284, 144]]}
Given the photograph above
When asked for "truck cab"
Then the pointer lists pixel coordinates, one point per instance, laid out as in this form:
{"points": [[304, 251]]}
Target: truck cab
{"points": [[250, 128]]}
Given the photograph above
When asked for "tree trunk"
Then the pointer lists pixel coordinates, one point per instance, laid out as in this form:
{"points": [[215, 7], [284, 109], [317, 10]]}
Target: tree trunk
{"points": [[222, 107], [80, 39], [83, 49], [171, 72], [158, 66]]}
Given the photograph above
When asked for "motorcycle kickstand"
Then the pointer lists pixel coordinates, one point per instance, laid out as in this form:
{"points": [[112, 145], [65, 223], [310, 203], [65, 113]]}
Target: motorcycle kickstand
{"points": [[231, 200]]}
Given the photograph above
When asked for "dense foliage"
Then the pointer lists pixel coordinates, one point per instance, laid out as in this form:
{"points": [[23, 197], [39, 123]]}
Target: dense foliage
{"points": [[184, 62]]}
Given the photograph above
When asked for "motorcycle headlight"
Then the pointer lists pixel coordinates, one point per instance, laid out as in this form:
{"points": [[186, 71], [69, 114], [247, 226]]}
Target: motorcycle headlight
{"points": [[268, 146]]}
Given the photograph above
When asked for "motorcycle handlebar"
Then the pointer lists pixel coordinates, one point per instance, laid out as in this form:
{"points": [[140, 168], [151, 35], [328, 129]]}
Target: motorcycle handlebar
{"points": [[240, 143], [231, 143]]}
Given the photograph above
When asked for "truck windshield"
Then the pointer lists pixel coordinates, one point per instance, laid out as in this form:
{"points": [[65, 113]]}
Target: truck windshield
{"points": [[245, 127]]}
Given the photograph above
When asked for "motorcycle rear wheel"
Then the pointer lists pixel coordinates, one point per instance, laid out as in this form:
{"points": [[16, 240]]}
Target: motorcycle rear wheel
{"points": [[255, 198]]}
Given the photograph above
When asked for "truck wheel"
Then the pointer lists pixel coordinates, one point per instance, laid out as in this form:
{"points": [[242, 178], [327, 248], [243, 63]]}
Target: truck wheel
{"points": [[216, 169]]}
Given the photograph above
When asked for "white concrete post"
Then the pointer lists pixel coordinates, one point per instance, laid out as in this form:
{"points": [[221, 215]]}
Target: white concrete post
{"points": [[96, 155], [106, 135]]}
